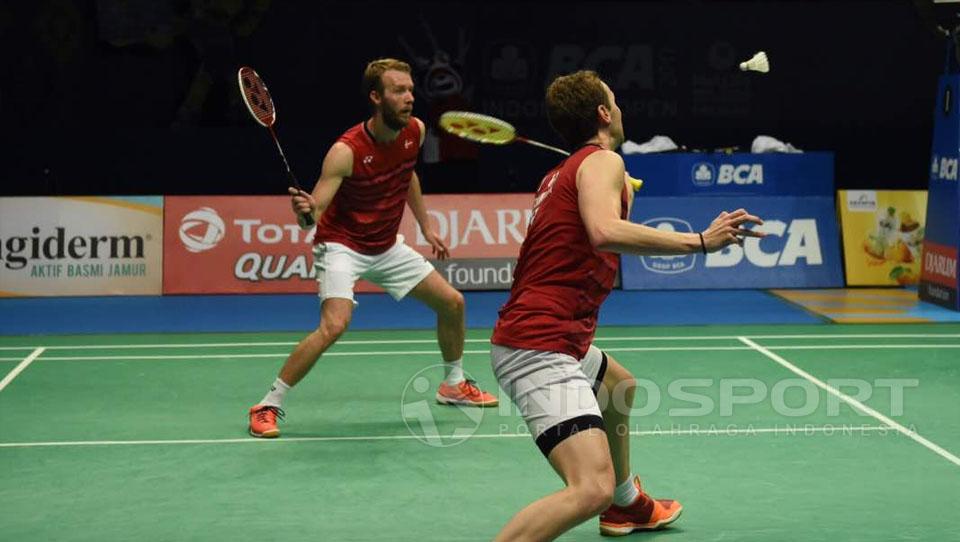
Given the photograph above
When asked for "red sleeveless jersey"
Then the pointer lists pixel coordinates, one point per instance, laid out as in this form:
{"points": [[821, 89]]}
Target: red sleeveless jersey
{"points": [[366, 210], [560, 280]]}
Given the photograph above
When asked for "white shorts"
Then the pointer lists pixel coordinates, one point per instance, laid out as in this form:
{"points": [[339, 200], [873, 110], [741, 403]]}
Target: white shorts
{"points": [[555, 393], [398, 270]]}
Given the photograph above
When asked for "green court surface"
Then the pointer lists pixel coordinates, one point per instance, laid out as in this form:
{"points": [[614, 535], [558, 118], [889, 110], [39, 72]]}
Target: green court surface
{"points": [[849, 432]]}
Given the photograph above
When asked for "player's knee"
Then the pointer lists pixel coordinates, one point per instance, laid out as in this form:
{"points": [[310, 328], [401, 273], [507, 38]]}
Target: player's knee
{"points": [[595, 496], [629, 386], [334, 327], [455, 303]]}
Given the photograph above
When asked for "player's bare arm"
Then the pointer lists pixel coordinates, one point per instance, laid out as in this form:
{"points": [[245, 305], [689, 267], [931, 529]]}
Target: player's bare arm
{"points": [[419, 209], [415, 202], [336, 165], [600, 181]]}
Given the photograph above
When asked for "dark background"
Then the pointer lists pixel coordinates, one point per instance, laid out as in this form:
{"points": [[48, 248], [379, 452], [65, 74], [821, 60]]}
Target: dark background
{"points": [[140, 96]]}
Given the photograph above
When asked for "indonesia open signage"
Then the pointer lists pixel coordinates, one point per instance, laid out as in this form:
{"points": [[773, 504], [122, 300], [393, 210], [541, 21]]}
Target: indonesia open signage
{"points": [[938, 275], [81, 246], [253, 245], [801, 248]]}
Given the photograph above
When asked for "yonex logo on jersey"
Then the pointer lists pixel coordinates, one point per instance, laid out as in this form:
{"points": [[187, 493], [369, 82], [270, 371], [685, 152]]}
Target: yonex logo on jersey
{"points": [[368, 159], [201, 230], [669, 265], [407, 143]]}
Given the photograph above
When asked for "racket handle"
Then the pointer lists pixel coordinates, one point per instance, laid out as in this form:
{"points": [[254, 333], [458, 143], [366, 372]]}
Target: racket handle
{"points": [[305, 220], [635, 183]]}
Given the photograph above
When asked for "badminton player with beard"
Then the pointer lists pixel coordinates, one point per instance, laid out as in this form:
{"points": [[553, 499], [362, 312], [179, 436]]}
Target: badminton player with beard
{"points": [[366, 179], [542, 352]]}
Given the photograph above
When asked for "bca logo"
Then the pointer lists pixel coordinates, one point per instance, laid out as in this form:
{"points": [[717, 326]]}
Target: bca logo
{"points": [[798, 240], [669, 265], [201, 230], [703, 174], [742, 174], [945, 169]]}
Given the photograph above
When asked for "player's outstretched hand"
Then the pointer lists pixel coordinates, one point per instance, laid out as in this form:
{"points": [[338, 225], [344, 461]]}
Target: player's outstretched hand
{"points": [[437, 246], [728, 228]]}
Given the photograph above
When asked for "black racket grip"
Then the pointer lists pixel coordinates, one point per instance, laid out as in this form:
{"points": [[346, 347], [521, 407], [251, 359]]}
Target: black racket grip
{"points": [[305, 220]]}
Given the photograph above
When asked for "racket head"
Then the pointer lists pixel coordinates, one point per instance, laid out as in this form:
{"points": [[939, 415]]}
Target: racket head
{"points": [[478, 127], [256, 97]]}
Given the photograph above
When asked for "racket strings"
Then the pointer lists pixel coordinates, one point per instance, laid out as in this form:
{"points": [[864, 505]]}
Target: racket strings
{"points": [[477, 127], [257, 97]]}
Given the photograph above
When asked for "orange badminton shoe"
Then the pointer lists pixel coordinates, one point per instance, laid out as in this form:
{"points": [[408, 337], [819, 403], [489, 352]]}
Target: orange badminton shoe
{"points": [[263, 421], [643, 514], [465, 393]]}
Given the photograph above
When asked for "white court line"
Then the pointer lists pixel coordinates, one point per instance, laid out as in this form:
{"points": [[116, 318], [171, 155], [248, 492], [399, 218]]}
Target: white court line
{"points": [[433, 341], [20, 367], [853, 402], [747, 431], [277, 355], [857, 346]]}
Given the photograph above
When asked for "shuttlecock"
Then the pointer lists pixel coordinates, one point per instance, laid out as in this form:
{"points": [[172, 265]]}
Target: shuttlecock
{"points": [[758, 63]]}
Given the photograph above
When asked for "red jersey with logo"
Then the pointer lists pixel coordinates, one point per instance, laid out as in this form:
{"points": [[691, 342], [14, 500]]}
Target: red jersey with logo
{"points": [[560, 280], [365, 212]]}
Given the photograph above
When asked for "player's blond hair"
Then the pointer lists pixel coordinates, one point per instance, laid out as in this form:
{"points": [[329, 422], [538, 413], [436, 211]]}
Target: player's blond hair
{"points": [[373, 74], [572, 102]]}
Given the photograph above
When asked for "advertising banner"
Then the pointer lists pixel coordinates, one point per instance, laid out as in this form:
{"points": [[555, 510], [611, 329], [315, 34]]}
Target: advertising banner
{"points": [[70, 246], [939, 282], [233, 244], [801, 249], [737, 174], [882, 235]]}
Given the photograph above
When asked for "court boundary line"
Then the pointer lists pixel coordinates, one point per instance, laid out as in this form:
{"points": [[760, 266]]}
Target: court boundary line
{"points": [[791, 431], [433, 340], [856, 405], [372, 353], [22, 366]]}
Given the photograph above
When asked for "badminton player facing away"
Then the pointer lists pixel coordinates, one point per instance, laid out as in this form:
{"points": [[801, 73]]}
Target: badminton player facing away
{"points": [[366, 179], [542, 350]]}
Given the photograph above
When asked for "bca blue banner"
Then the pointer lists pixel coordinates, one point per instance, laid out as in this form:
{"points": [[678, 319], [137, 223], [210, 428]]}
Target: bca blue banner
{"points": [[801, 249], [939, 282], [740, 174]]}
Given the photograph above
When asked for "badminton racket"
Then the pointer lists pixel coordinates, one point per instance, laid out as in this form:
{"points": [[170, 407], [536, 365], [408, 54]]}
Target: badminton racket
{"points": [[260, 105], [493, 131]]}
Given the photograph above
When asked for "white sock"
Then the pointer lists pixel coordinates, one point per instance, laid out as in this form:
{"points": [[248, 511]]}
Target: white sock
{"points": [[274, 397], [453, 372], [626, 492]]}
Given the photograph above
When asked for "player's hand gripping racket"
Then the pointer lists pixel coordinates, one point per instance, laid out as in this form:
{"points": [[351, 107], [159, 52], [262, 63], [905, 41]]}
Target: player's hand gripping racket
{"points": [[491, 130], [260, 105]]}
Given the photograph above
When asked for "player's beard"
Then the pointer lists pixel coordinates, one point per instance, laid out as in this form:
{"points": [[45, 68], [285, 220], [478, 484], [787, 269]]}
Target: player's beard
{"points": [[392, 119]]}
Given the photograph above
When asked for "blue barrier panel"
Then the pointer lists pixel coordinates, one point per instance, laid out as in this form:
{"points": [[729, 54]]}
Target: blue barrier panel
{"points": [[801, 250], [941, 243], [740, 174]]}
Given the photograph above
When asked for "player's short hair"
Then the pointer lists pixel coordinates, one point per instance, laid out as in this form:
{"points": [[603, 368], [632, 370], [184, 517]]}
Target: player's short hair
{"points": [[572, 102], [372, 74]]}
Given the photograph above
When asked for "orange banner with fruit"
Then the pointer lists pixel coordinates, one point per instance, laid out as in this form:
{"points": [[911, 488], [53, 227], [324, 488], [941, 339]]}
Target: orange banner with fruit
{"points": [[882, 235]]}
